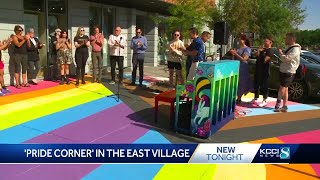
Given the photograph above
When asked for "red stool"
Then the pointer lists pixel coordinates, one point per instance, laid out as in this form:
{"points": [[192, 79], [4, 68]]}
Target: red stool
{"points": [[168, 97]]}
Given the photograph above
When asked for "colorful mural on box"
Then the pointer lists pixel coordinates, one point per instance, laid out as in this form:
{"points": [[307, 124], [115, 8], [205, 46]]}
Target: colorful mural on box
{"points": [[214, 98]]}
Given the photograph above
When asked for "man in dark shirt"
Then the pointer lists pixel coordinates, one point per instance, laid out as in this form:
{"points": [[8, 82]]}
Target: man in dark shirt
{"points": [[195, 53], [262, 73], [138, 45], [54, 40]]}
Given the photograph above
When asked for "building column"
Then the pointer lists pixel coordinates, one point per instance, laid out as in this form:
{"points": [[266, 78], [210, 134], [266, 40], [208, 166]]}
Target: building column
{"points": [[151, 33]]}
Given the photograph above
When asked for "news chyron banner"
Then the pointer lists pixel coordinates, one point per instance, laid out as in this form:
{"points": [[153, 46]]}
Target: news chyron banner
{"points": [[158, 153]]}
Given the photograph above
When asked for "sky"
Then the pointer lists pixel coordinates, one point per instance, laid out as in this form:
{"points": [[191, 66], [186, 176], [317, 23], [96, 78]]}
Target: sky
{"points": [[312, 20]]}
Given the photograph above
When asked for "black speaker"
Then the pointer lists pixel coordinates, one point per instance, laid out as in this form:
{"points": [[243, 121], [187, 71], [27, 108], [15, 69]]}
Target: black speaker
{"points": [[221, 33], [184, 115]]}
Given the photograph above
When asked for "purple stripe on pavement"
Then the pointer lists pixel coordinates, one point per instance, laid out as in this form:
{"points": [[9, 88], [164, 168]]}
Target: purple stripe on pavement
{"points": [[97, 126], [112, 125], [51, 172]]}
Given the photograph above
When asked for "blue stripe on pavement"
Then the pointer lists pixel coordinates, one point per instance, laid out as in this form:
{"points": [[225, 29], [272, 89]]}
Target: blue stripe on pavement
{"points": [[36, 127], [129, 171]]}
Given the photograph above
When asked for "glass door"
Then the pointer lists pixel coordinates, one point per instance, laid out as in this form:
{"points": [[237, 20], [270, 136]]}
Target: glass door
{"points": [[35, 17], [57, 13]]}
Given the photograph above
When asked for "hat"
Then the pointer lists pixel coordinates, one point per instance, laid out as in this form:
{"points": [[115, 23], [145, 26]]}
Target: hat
{"points": [[57, 30]]}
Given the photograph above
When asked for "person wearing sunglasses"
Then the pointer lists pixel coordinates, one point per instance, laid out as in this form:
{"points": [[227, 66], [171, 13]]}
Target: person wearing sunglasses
{"points": [[138, 45], [20, 56], [175, 58], [81, 42]]}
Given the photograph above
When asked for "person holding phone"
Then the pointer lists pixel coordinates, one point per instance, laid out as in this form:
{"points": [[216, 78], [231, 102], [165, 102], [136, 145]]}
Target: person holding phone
{"points": [[64, 56], [262, 71], [81, 42], [290, 61], [33, 46]]}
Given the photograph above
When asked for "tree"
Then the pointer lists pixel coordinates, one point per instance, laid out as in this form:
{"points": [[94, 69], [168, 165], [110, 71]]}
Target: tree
{"points": [[238, 14], [278, 17], [309, 38], [186, 14], [271, 17]]}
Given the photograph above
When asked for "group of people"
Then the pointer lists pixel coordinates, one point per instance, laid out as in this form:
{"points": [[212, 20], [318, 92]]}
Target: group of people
{"points": [[117, 44], [290, 61], [24, 57], [62, 55], [195, 52]]}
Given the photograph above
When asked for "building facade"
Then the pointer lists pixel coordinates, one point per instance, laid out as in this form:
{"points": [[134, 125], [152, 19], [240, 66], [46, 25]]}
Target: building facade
{"points": [[47, 15]]}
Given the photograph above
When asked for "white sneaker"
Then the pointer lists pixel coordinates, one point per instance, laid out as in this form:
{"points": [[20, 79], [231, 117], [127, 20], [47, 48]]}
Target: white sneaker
{"points": [[254, 101], [112, 82], [263, 104]]}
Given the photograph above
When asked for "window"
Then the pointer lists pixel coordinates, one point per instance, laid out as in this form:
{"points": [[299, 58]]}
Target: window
{"points": [[35, 17], [95, 18], [57, 13], [140, 22]]}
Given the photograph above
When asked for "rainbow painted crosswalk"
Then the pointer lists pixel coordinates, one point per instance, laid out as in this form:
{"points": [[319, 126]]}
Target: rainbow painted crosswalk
{"points": [[50, 113]]}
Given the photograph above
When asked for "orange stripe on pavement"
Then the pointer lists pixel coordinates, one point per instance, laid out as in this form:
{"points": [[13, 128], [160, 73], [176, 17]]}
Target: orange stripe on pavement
{"points": [[261, 120], [33, 94]]}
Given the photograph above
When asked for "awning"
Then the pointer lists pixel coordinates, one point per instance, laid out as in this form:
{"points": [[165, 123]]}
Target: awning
{"points": [[155, 6]]}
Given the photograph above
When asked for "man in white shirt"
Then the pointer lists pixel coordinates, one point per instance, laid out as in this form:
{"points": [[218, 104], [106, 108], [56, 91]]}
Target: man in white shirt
{"points": [[290, 61], [117, 43]]}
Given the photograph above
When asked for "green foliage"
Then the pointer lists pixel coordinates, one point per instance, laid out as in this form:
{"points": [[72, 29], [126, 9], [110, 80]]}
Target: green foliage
{"points": [[278, 17], [264, 17], [238, 14], [186, 14], [309, 38]]}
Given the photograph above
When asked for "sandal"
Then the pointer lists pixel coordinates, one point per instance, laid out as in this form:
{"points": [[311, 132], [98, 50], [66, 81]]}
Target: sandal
{"points": [[26, 85], [18, 86]]}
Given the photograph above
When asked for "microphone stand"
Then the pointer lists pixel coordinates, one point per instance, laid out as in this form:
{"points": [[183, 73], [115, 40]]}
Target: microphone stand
{"points": [[118, 91]]}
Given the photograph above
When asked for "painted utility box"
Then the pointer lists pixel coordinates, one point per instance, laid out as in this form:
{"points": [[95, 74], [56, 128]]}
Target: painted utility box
{"points": [[207, 103]]}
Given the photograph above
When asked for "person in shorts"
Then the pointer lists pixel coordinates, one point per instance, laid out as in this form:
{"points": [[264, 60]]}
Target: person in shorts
{"points": [[3, 46], [64, 56], [175, 57], [290, 61]]}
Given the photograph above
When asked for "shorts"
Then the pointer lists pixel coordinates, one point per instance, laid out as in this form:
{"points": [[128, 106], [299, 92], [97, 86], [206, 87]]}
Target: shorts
{"points": [[1, 65], [174, 65], [286, 79], [64, 57]]}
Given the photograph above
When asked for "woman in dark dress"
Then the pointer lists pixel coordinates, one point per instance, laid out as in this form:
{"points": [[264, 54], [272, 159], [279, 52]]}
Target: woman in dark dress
{"points": [[242, 54]]}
